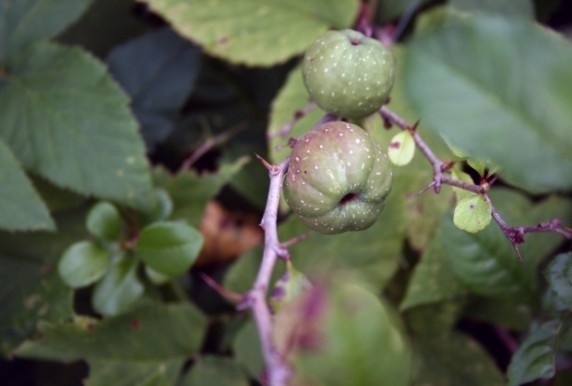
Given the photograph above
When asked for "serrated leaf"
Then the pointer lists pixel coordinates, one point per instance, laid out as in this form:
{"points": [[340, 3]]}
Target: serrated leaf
{"points": [[78, 132], [23, 22], [151, 373], [559, 276], [472, 214], [292, 97], [447, 358], [20, 205], [32, 290], [401, 148], [159, 84], [154, 332], [535, 358], [450, 66], [83, 263], [212, 370], [104, 221], [432, 280], [511, 8], [169, 247], [252, 32], [119, 289]]}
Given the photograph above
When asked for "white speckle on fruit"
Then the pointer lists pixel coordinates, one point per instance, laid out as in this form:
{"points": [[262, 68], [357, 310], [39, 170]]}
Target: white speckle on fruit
{"points": [[358, 140], [321, 146]]}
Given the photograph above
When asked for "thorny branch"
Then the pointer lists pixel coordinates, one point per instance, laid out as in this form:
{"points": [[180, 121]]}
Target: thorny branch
{"points": [[515, 235], [277, 370]]}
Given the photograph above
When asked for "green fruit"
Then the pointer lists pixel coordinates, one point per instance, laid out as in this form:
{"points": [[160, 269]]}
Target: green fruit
{"points": [[348, 74], [338, 178]]}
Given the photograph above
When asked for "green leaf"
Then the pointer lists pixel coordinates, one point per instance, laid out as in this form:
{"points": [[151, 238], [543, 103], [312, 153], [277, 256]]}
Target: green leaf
{"points": [[154, 332], [292, 97], [212, 370], [486, 262], [160, 84], [78, 132], [104, 221], [559, 276], [253, 32], [401, 148], [526, 98], [120, 288], [327, 338], [31, 291], [20, 205], [83, 263], [433, 279], [191, 191], [169, 247], [511, 8], [434, 318], [246, 348], [500, 312], [445, 359], [24, 22], [291, 284], [535, 358], [472, 214], [462, 194], [116, 373]]}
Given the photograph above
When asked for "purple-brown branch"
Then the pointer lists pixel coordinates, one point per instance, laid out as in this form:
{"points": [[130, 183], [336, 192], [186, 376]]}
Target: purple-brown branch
{"points": [[515, 235], [277, 370]]}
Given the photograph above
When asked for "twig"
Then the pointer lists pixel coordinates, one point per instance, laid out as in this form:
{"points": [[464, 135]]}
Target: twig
{"points": [[515, 235], [298, 114], [277, 370], [209, 144]]}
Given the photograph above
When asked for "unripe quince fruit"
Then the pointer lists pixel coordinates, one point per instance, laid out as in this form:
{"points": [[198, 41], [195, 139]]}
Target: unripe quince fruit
{"points": [[348, 74], [338, 178]]}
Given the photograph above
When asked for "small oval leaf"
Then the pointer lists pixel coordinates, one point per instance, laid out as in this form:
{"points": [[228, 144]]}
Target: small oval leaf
{"points": [[401, 148], [292, 284], [83, 263], [169, 248], [119, 289], [155, 277], [472, 214], [104, 221]]}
